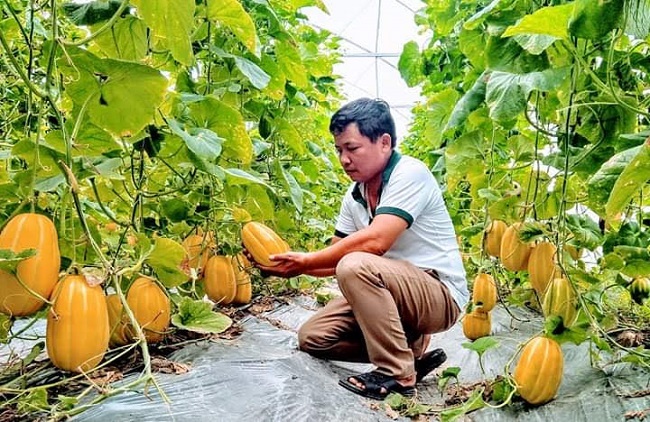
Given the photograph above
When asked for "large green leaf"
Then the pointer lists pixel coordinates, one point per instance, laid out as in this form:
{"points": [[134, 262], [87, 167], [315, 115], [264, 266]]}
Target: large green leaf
{"points": [[444, 14], [127, 39], [410, 64], [635, 175], [552, 21], [227, 123], [198, 316], [255, 74], [594, 19], [275, 88], [290, 62], [464, 157], [439, 110], [507, 55], [171, 22], [601, 184], [242, 177], [506, 93], [202, 142], [120, 96], [165, 258], [469, 102], [232, 14], [290, 136]]}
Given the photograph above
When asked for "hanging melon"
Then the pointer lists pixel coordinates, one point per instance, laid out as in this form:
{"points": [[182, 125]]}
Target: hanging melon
{"points": [[39, 273], [477, 324], [539, 371], [560, 300], [484, 292], [541, 266], [514, 252], [640, 289], [151, 308], [198, 248], [220, 280], [77, 331], [120, 326], [493, 235], [261, 241], [244, 288]]}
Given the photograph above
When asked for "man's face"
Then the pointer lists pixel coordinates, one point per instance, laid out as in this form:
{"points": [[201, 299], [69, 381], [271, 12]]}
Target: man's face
{"points": [[362, 159]]}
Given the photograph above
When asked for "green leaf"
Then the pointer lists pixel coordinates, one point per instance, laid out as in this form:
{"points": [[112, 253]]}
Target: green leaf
{"points": [[275, 88], [259, 78], [290, 184], [34, 401], [290, 63], [635, 175], [176, 209], [9, 259], [232, 14], [612, 261], [534, 44], [165, 259], [552, 21], [601, 184], [109, 87], [636, 268], [482, 345], [410, 64], [171, 22], [127, 39], [469, 102], [198, 316], [464, 156], [555, 329], [506, 93], [290, 135], [594, 19], [479, 17], [255, 74], [585, 230], [228, 123], [439, 110], [91, 12], [202, 142], [242, 177]]}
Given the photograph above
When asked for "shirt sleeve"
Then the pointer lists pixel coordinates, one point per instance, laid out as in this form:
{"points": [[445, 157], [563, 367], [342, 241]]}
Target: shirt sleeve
{"points": [[345, 222], [408, 192]]}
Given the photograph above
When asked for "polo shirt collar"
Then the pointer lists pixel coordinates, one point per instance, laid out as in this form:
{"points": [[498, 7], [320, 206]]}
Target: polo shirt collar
{"points": [[385, 175]]}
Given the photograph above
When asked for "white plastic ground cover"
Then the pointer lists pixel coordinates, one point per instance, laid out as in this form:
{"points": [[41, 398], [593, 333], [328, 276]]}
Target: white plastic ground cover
{"points": [[261, 376]]}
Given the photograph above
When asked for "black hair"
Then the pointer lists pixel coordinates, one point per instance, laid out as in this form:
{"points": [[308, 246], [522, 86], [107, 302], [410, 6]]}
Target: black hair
{"points": [[372, 117]]}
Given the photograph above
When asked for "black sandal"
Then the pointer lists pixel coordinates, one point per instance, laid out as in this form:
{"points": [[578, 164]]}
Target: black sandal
{"points": [[428, 362], [374, 382]]}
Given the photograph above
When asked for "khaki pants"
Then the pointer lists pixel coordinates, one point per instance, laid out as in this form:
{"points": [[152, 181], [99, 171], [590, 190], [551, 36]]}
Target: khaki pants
{"points": [[387, 309]]}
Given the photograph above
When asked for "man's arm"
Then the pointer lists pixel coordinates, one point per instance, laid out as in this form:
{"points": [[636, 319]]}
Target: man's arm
{"points": [[377, 238]]}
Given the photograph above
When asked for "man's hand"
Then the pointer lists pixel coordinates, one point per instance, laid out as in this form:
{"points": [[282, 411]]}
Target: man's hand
{"points": [[289, 264]]}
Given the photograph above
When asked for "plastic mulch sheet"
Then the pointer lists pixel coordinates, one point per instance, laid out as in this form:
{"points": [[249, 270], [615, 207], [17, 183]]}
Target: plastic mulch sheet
{"points": [[261, 376]]}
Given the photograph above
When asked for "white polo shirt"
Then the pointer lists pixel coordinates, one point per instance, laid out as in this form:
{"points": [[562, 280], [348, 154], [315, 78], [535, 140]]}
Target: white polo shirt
{"points": [[410, 191]]}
